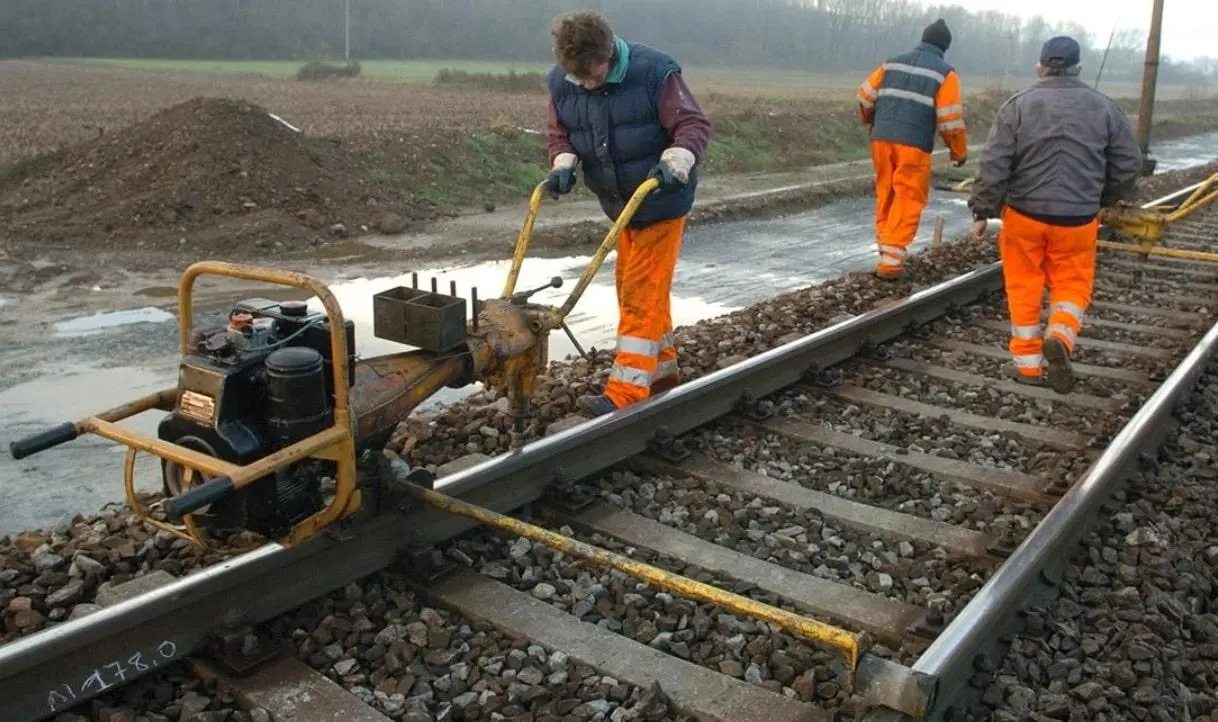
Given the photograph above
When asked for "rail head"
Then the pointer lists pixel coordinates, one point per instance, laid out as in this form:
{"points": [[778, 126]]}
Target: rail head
{"points": [[273, 580], [971, 639]]}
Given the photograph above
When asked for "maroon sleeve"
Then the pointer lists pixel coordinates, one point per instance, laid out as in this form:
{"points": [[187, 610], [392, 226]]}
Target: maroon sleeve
{"points": [[556, 135], [683, 118]]}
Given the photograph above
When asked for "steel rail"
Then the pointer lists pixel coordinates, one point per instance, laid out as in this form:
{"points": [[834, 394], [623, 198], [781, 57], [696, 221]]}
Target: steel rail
{"points": [[48, 672], [971, 642]]}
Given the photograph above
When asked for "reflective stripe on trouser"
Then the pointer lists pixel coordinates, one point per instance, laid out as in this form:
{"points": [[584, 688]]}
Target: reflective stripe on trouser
{"points": [[1066, 318], [1036, 254], [902, 187], [646, 260]]}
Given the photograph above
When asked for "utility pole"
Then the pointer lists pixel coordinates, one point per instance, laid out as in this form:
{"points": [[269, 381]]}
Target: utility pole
{"points": [[1150, 79], [347, 30]]}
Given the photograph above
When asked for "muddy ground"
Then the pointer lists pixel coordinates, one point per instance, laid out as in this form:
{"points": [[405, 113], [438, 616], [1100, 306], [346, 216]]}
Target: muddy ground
{"points": [[133, 192], [112, 171], [63, 360]]}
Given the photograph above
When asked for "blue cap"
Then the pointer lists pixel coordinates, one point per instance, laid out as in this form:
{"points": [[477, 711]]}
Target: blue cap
{"points": [[1060, 52]]}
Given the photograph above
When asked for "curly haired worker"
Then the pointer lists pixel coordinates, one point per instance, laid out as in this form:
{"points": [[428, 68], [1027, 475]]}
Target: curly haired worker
{"points": [[623, 112]]}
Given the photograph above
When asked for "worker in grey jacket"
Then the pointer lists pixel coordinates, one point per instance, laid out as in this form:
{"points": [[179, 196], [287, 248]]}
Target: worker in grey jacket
{"points": [[1058, 152]]}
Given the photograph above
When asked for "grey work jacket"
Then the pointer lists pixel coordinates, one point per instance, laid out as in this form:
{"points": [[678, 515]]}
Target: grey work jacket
{"points": [[1059, 148]]}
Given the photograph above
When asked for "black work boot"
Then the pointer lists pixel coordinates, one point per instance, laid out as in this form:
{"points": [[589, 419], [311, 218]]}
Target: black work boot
{"points": [[1061, 374]]}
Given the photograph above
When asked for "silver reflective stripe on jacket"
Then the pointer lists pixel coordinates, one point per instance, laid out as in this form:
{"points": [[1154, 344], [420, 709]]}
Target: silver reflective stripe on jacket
{"points": [[905, 101]]}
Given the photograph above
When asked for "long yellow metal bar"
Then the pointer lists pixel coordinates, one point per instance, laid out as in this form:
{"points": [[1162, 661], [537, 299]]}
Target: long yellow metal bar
{"points": [[240, 475], [188, 531], [523, 240], [162, 400], [1199, 191], [164, 449], [1155, 251], [624, 218], [1192, 205], [850, 644]]}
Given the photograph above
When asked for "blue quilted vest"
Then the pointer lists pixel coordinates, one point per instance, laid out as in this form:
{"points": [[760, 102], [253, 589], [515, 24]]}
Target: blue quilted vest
{"points": [[617, 135], [905, 109]]}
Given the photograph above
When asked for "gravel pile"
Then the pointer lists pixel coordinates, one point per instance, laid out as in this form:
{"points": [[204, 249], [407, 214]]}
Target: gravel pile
{"points": [[481, 423], [418, 664], [1134, 635], [52, 576], [1083, 353], [1156, 186], [912, 572], [975, 314], [984, 400], [754, 651], [1128, 395], [1147, 338], [940, 437], [871, 481], [174, 695]]}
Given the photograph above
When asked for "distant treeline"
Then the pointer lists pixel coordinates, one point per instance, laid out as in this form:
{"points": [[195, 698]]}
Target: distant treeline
{"points": [[822, 35]]}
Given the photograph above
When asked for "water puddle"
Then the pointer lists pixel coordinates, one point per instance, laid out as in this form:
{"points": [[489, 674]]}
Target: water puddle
{"points": [[74, 394], [83, 474], [1185, 152], [89, 325]]}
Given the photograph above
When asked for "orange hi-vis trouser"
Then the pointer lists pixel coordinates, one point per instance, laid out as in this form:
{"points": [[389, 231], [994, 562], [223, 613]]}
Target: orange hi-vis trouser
{"points": [[1035, 253], [646, 354], [902, 188]]}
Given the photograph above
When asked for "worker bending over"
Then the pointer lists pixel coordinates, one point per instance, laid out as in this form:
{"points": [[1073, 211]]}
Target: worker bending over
{"points": [[1058, 152], [623, 111], [904, 102]]}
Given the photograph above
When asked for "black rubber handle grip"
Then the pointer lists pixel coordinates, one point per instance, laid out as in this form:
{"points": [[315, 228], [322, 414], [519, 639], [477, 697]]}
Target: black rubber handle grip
{"points": [[43, 440], [198, 497]]}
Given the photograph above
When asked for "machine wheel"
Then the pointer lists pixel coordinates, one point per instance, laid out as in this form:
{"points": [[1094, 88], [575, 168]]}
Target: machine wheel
{"points": [[172, 483]]}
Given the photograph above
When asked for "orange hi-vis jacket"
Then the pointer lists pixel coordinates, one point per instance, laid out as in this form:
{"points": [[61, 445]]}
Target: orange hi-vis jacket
{"points": [[910, 97]]}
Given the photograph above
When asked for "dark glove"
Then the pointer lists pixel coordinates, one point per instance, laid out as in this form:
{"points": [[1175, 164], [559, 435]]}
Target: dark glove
{"points": [[673, 169], [668, 180], [562, 175], [560, 182]]}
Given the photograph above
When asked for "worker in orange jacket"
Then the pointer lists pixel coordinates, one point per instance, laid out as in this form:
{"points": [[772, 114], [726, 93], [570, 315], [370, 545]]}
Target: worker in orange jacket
{"points": [[623, 111], [1058, 152], [904, 102]]}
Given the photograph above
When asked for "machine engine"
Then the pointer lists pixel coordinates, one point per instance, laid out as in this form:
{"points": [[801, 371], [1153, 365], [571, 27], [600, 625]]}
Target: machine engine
{"points": [[249, 389]]}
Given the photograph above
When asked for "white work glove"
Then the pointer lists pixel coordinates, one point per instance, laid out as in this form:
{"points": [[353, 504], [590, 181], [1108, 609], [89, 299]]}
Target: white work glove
{"points": [[562, 175], [564, 161], [673, 168]]}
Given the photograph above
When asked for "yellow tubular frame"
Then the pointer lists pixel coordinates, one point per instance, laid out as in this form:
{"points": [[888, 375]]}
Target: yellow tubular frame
{"points": [[608, 244], [850, 644], [522, 241], [336, 443], [598, 258]]}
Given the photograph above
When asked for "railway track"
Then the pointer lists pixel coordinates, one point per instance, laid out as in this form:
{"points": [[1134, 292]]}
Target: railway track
{"points": [[881, 475]]}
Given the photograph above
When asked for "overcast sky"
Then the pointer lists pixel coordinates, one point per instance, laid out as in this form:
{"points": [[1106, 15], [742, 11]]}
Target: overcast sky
{"points": [[1190, 27]]}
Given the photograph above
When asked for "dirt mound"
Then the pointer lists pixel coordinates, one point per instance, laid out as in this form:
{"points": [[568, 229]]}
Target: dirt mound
{"points": [[221, 175]]}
